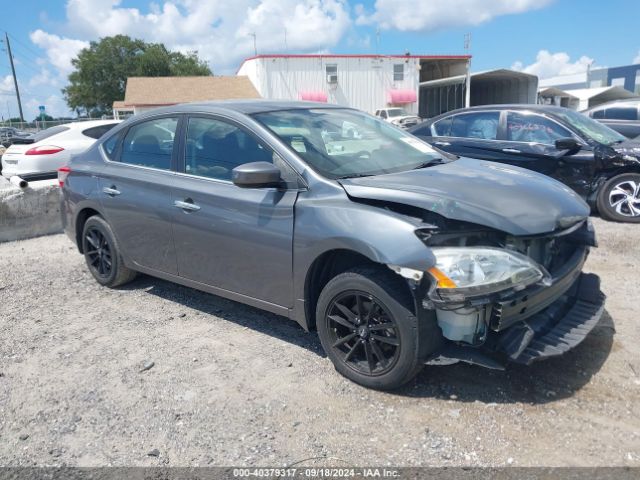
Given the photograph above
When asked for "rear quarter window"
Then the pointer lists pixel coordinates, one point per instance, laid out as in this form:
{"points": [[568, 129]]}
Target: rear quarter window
{"points": [[97, 132], [109, 146], [442, 128]]}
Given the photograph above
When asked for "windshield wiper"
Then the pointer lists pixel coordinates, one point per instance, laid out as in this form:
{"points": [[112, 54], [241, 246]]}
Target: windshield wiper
{"points": [[428, 163], [355, 175]]}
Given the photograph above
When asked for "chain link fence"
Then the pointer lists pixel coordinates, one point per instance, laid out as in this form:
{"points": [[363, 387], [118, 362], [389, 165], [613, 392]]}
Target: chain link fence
{"points": [[38, 125]]}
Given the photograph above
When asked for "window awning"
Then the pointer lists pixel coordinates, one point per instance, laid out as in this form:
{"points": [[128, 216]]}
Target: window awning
{"points": [[312, 96], [396, 96]]}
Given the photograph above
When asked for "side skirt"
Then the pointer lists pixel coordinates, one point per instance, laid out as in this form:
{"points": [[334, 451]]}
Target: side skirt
{"points": [[221, 292]]}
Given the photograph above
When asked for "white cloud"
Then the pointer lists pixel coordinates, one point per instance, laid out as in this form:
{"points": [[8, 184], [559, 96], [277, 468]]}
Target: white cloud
{"points": [[60, 51], [549, 64], [412, 15], [6, 85], [218, 29], [636, 59]]}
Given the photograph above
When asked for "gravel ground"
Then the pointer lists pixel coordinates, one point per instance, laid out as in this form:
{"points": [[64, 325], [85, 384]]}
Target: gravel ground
{"points": [[232, 385]]}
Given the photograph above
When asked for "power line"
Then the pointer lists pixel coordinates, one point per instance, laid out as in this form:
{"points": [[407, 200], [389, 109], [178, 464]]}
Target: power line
{"points": [[29, 49]]}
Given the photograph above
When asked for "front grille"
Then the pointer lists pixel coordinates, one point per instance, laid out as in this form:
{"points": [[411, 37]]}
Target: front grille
{"points": [[532, 300]]}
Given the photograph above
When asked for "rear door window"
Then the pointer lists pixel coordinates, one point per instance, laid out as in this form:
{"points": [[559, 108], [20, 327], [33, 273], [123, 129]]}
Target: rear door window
{"points": [[150, 143], [534, 129], [480, 125]]}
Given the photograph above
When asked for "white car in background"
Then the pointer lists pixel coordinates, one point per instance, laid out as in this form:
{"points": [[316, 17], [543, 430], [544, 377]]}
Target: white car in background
{"points": [[40, 155], [398, 116]]}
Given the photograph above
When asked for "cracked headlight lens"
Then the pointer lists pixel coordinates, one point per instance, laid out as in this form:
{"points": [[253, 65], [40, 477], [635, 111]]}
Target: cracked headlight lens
{"points": [[481, 270]]}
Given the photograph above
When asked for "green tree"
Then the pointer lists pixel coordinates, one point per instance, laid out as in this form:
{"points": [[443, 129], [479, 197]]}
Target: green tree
{"points": [[101, 71], [44, 117]]}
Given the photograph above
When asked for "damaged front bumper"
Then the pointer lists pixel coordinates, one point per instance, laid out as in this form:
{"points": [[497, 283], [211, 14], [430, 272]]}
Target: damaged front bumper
{"points": [[552, 331], [541, 321]]}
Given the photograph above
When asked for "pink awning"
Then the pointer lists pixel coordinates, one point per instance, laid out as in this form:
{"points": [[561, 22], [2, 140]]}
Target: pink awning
{"points": [[401, 96], [314, 96]]}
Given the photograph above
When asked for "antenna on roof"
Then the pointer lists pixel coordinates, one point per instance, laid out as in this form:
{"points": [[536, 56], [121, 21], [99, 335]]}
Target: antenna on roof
{"points": [[286, 48], [378, 40]]}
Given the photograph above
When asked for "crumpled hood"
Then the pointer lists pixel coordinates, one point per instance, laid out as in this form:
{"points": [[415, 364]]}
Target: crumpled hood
{"points": [[510, 199], [628, 147]]}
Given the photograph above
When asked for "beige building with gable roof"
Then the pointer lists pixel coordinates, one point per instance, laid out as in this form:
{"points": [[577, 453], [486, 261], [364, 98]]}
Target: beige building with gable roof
{"points": [[146, 93]]}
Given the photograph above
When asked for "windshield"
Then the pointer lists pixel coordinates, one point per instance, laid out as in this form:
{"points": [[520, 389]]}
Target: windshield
{"points": [[397, 112], [342, 143], [591, 128]]}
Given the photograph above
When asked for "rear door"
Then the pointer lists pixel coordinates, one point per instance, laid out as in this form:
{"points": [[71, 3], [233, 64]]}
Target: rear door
{"points": [[236, 239], [135, 188], [471, 134]]}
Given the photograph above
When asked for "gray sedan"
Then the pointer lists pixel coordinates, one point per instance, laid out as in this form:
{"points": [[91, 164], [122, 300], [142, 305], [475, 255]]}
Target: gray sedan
{"points": [[398, 254]]}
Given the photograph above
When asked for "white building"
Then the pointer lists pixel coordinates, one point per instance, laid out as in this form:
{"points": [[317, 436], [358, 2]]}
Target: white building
{"points": [[366, 82]]}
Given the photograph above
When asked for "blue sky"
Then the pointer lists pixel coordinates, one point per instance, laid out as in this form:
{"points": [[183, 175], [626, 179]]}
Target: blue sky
{"points": [[545, 37]]}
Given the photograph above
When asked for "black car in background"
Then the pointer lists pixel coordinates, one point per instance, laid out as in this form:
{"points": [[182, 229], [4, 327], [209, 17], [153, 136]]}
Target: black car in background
{"points": [[623, 116], [597, 162]]}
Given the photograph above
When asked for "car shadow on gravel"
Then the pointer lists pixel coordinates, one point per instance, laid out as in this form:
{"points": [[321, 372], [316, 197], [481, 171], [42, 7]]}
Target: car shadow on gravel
{"points": [[244, 315], [539, 383], [542, 382]]}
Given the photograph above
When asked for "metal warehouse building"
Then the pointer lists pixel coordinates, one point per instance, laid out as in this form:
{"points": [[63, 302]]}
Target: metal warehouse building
{"points": [[366, 82]]}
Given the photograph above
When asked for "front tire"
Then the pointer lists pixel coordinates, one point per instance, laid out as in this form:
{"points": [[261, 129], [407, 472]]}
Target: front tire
{"points": [[619, 198], [367, 328], [102, 254]]}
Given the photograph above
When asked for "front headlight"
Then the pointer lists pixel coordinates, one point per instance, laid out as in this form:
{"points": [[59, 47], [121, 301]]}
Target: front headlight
{"points": [[472, 271]]}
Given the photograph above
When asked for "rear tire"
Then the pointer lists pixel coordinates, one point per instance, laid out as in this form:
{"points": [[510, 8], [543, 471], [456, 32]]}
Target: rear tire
{"points": [[367, 327], [102, 254], [619, 198]]}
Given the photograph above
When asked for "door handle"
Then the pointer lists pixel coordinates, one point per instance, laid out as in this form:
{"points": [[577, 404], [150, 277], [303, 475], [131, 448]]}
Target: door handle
{"points": [[511, 150], [442, 144], [187, 205], [111, 191]]}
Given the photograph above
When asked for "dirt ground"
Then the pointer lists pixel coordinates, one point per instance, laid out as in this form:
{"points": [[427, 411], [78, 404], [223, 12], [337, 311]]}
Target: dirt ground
{"points": [[232, 385]]}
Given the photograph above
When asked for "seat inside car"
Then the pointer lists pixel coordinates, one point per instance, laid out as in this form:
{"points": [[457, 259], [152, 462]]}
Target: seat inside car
{"points": [[146, 151], [485, 128]]}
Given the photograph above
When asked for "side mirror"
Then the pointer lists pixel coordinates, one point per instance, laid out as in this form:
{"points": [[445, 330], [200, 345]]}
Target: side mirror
{"points": [[256, 175], [570, 144]]}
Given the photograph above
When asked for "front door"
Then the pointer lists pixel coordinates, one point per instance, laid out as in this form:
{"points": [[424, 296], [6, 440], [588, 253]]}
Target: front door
{"points": [[530, 143], [135, 191], [237, 239]]}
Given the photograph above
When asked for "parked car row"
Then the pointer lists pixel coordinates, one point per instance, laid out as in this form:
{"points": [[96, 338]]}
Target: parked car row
{"points": [[397, 253], [623, 116], [598, 163]]}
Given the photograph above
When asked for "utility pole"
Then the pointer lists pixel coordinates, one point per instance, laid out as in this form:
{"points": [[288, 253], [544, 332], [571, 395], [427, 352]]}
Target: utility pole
{"points": [[255, 45], [13, 71], [467, 93]]}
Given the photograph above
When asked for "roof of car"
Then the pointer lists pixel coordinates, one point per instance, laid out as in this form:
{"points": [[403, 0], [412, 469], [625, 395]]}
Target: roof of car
{"points": [[549, 109], [514, 106], [82, 124], [242, 106]]}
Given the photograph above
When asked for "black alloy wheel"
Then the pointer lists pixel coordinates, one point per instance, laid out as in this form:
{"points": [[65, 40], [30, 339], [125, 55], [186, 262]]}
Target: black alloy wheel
{"points": [[99, 253], [363, 333], [102, 254]]}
